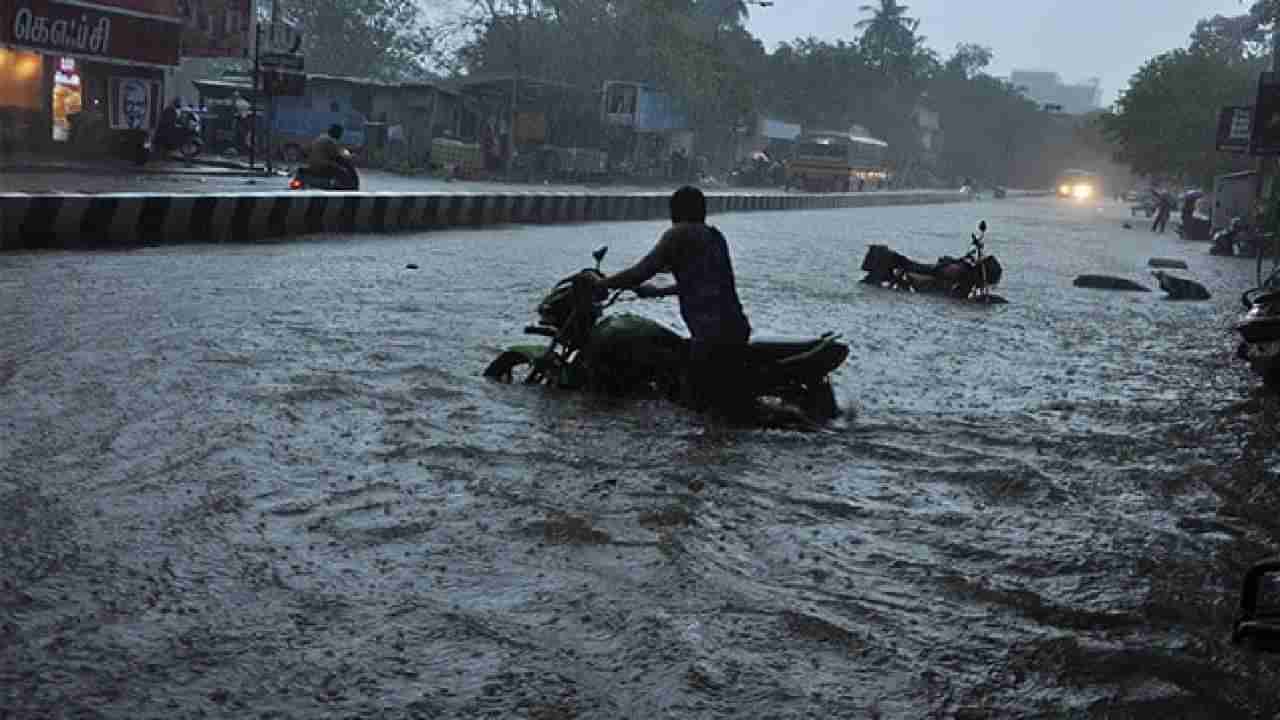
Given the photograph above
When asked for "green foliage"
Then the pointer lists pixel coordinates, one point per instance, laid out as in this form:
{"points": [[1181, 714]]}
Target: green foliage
{"points": [[700, 51], [990, 129], [1166, 121], [364, 38], [697, 50], [889, 40]]}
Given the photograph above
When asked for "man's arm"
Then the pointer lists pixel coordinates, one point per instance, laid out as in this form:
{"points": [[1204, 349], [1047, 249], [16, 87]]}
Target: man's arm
{"points": [[647, 267], [651, 291]]}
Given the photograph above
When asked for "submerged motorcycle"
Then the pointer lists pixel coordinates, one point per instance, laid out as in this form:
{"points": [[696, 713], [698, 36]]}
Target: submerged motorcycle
{"points": [[970, 277], [623, 353]]}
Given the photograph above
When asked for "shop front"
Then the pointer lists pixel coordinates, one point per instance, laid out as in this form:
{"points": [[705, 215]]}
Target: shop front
{"points": [[650, 135], [87, 76]]}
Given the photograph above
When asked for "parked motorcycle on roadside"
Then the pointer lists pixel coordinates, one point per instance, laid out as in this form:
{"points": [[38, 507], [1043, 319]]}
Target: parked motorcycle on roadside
{"points": [[970, 277], [183, 136], [1259, 329], [624, 353]]}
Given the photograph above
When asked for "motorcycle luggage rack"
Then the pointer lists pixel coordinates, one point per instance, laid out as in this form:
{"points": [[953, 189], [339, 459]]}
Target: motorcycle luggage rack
{"points": [[1258, 628]]}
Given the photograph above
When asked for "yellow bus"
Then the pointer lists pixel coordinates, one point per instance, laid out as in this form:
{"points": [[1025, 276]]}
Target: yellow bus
{"points": [[836, 162]]}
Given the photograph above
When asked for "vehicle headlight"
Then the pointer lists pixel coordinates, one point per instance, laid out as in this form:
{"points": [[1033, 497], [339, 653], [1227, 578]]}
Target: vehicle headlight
{"points": [[1064, 190], [1082, 192]]}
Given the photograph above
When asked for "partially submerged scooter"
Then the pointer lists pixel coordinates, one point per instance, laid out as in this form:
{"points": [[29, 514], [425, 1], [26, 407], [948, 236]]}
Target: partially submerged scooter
{"points": [[624, 353], [1259, 326]]}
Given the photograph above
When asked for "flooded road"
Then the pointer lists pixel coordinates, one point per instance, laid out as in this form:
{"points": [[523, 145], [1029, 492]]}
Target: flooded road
{"points": [[269, 482]]}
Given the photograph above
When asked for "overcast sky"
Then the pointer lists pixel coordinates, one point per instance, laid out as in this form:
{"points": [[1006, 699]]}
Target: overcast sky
{"points": [[1079, 39]]}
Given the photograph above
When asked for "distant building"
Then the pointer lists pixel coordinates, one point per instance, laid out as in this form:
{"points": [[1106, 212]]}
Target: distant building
{"points": [[1047, 89]]}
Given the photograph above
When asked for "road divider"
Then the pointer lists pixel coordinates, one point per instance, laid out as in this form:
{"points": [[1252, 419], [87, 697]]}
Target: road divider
{"points": [[118, 220]]}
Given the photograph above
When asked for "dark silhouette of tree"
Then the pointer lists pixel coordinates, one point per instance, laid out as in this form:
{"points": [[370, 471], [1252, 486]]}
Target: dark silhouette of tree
{"points": [[1166, 121], [365, 38]]}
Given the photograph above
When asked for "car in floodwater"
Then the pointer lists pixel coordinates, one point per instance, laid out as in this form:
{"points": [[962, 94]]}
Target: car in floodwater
{"points": [[1079, 185]]}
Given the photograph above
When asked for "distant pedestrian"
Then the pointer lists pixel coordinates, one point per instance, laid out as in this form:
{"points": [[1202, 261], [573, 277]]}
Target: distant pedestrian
{"points": [[1164, 207], [395, 143]]}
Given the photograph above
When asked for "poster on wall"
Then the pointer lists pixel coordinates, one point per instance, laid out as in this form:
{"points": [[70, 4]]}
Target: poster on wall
{"points": [[134, 103], [216, 28], [1235, 128]]}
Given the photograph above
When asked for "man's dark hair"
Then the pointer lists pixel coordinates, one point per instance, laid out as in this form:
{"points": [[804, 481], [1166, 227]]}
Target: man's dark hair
{"points": [[335, 132], [688, 205]]}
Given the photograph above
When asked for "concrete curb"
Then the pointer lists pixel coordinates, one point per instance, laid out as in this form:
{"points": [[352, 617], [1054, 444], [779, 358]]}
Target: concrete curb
{"points": [[196, 167], [30, 222]]}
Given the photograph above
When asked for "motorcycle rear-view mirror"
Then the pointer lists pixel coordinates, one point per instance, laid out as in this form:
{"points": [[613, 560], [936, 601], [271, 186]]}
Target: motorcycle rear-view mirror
{"points": [[599, 255]]}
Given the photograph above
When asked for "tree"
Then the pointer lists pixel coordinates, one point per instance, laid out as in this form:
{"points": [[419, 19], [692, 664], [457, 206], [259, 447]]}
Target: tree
{"points": [[819, 84], [889, 36], [1265, 12], [991, 132], [723, 13], [366, 38], [891, 46], [1166, 121]]}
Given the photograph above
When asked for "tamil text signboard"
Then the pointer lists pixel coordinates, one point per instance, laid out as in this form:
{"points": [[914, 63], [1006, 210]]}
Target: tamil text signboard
{"points": [[90, 32]]}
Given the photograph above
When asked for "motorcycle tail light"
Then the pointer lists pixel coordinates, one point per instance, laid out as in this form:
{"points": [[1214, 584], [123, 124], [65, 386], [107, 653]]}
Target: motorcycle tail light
{"points": [[295, 184]]}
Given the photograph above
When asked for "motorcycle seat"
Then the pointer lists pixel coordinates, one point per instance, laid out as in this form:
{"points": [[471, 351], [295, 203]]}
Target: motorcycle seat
{"points": [[779, 347]]}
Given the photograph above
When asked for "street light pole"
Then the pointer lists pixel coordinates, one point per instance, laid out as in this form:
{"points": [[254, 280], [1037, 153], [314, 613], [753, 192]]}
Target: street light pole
{"points": [[257, 70]]}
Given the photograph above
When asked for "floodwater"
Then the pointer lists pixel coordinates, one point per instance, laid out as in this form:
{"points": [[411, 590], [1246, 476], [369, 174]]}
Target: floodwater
{"points": [[269, 481]]}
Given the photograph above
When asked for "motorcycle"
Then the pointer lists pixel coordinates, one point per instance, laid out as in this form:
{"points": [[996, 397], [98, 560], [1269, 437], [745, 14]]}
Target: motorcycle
{"points": [[758, 172], [970, 277], [1224, 242], [183, 136], [305, 178], [625, 353], [1259, 330]]}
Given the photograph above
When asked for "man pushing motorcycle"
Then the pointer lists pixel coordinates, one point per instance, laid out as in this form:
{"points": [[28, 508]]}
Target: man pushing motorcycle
{"points": [[697, 255]]}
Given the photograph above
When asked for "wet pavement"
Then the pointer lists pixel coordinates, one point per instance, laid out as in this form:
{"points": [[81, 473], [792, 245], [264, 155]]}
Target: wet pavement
{"points": [[268, 481]]}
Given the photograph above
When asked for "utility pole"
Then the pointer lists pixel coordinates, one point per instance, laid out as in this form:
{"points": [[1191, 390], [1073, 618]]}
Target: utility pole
{"points": [[257, 73], [271, 100], [517, 44]]}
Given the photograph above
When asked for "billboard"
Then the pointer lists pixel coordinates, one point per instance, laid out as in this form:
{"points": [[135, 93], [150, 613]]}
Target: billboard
{"points": [[659, 112], [1235, 127], [87, 31], [778, 130], [216, 28]]}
